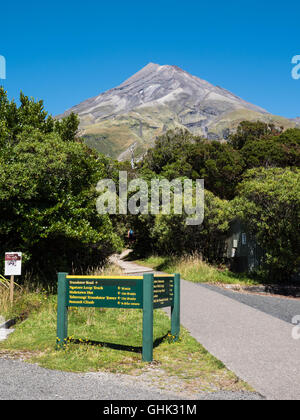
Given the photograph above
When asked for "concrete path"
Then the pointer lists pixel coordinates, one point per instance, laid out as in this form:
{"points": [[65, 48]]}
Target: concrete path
{"points": [[255, 345], [5, 329]]}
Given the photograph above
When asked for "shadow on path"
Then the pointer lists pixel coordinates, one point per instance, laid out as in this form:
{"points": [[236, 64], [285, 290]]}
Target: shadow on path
{"points": [[122, 347]]}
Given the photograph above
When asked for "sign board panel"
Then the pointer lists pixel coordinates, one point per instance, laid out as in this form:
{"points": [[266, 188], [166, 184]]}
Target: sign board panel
{"points": [[163, 291], [104, 293], [145, 292], [13, 263]]}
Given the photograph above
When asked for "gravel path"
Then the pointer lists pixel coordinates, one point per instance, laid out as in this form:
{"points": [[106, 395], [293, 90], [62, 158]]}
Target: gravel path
{"points": [[24, 381]]}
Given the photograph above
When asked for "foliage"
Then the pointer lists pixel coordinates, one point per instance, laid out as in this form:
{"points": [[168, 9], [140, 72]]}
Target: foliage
{"points": [[192, 267], [249, 131], [47, 191], [231, 171], [269, 202], [179, 154], [220, 164], [168, 150], [277, 151], [168, 234]]}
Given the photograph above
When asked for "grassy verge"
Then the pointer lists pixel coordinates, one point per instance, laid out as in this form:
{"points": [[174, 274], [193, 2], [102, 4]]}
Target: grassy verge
{"points": [[25, 300], [111, 340], [192, 268], [29, 298]]}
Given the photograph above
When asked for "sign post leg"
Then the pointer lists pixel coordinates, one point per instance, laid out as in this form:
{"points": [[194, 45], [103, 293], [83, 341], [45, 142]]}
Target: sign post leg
{"points": [[148, 318], [11, 289], [62, 310], [175, 310]]}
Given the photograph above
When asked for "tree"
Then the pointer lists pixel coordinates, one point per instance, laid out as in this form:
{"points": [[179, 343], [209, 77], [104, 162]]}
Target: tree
{"points": [[47, 192], [218, 164], [180, 154], [168, 234], [277, 151], [67, 128], [168, 149], [252, 131], [269, 203]]}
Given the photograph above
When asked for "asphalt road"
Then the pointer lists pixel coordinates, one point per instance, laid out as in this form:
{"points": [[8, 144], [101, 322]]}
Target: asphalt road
{"points": [[256, 345], [279, 307], [251, 334]]}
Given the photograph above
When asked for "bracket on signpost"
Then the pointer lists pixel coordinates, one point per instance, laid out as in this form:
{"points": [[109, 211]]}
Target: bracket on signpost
{"points": [[148, 292]]}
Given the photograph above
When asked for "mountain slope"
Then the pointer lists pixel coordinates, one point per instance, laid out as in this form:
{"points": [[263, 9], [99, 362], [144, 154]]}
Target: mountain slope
{"points": [[158, 98], [297, 121]]}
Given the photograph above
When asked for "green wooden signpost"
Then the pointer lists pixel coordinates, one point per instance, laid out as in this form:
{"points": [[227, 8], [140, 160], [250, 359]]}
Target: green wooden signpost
{"points": [[147, 292]]}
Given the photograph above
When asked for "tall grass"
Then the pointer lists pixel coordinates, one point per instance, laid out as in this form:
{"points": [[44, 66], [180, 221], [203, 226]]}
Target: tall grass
{"points": [[5, 303], [195, 269], [108, 270], [25, 300], [30, 296]]}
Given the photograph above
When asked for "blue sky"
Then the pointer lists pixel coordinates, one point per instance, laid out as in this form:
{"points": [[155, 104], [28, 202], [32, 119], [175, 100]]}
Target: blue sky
{"points": [[64, 52]]}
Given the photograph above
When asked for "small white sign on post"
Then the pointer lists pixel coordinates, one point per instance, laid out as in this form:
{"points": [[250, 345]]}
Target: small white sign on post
{"points": [[13, 263]]}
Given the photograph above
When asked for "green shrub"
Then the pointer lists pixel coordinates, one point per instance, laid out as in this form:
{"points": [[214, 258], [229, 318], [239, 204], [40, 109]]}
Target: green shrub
{"points": [[269, 202], [47, 192]]}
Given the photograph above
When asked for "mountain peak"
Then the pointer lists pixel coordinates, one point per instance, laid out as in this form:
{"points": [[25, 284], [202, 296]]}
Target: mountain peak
{"points": [[167, 85], [150, 70], [144, 72], [158, 98]]}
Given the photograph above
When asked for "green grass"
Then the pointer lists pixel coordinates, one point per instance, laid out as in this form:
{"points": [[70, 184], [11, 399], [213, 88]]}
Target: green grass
{"points": [[110, 340], [192, 268], [25, 302]]}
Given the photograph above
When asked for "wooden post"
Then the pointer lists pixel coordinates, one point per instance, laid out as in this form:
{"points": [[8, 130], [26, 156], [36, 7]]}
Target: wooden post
{"points": [[175, 309], [62, 310], [11, 289], [148, 317]]}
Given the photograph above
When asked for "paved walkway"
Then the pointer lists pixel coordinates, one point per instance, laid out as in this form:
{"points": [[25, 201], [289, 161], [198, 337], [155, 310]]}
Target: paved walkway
{"points": [[255, 345], [4, 329]]}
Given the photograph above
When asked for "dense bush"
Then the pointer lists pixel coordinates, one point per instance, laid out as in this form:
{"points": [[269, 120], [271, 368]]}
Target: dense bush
{"points": [[47, 192], [269, 202], [256, 171], [221, 164], [170, 235]]}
